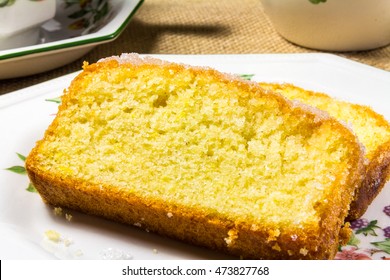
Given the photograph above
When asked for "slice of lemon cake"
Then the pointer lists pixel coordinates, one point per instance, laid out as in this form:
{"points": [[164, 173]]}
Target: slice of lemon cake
{"points": [[199, 156], [372, 129]]}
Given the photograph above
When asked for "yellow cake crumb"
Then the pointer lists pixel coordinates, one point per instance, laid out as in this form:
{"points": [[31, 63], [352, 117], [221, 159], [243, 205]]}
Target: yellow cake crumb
{"points": [[273, 235], [303, 251], [53, 235], [276, 247], [57, 211], [67, 242], [232, 236], [79, 253], [68, 217]]}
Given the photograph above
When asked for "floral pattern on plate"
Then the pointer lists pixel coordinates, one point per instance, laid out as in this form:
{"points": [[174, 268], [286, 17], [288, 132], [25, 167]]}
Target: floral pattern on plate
{"points": [[361, 245]]}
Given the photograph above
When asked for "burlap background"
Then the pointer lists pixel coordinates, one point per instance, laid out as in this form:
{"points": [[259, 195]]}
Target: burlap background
{"points": [[196, 27]]}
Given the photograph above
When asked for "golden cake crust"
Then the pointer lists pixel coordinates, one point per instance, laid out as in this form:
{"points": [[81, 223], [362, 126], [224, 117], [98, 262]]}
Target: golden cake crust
{"points": [[197, 225], [377, 174]]}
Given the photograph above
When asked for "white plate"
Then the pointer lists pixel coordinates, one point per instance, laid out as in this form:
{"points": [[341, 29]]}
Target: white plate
{"points": [[62, 46], [25, 114]]}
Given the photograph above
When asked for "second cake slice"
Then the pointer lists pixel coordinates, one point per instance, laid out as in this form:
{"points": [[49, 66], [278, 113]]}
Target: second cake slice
{"points": [[372, 129]]}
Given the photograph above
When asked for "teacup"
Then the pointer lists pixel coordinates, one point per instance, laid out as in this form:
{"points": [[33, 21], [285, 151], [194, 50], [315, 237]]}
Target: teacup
{"points": [[81, 17], [21, 19], [333, 25]]}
